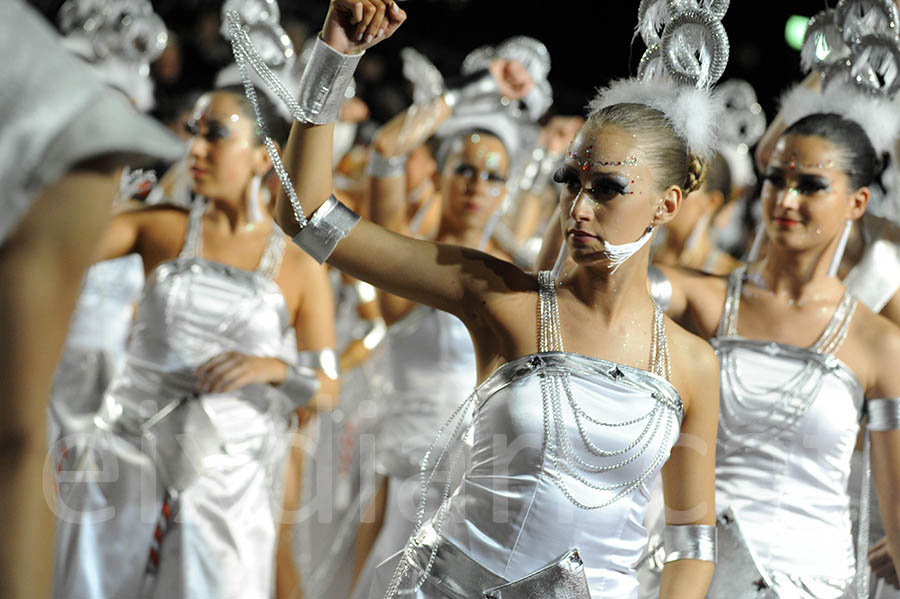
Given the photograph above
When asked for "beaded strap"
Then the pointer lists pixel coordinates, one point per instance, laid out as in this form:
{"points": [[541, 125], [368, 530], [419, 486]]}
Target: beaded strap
{"points": [[193, 237]]}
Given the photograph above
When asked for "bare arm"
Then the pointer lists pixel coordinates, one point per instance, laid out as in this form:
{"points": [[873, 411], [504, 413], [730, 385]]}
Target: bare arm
{"points": [[421, 271], [885, 458], [689, 474], [314, 323]]}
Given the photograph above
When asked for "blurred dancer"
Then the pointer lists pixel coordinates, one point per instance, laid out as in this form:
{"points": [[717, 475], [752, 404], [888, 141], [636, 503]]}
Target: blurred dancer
{"points": [[234, 333]]}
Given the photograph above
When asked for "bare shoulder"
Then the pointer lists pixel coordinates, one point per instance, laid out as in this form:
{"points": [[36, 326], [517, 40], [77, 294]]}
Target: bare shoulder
{"points": [[695, 366], [876, 342]]}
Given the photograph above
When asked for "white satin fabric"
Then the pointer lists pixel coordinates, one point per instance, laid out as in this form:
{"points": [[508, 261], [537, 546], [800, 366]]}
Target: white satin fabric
{"points": [[510, 513], [784, 471], [433, 369], [95, 346], [56, 113], [220, 539]]}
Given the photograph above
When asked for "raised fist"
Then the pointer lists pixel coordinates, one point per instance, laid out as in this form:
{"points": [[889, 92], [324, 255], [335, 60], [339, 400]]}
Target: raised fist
{"points": [[355, 25]]}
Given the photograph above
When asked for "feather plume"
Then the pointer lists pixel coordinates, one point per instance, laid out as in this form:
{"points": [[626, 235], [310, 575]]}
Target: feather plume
{"points": [[693, 113]]}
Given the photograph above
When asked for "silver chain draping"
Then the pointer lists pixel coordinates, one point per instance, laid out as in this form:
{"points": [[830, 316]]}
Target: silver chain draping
{"points": [[862, 533], [403, 567], [558, 445], [797, 394], [244, 52]]}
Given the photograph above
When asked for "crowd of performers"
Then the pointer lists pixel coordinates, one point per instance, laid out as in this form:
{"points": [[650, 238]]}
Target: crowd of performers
{"points": [[646, 351]]}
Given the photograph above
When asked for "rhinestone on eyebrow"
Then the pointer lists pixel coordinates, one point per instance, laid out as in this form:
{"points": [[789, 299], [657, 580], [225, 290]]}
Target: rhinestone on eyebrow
{"points": [[588, 161]]}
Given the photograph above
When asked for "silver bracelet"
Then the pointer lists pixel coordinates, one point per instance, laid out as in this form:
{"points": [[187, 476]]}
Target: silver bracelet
{"points": [[375, 334], [325, 360], [471, 87], [883, 414], [690, 541], [300, 385], [386, 167], [324, 82], [330, 223]]}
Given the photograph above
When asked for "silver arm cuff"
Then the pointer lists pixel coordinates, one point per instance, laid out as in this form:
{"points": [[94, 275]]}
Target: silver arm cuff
{"points": [[472, 87], [386, 166], [300, 384], [883, 414], [691, 541], [325, 79], [330, 223], [660, 287], [375, 334], [325, 360]]}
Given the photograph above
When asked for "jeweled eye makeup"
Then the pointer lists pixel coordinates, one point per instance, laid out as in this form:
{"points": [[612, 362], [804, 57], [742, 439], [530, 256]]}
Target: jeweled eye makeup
{"points": [[469, 171], [215, 131], [807, 184], [588, 159], [602, 185]]}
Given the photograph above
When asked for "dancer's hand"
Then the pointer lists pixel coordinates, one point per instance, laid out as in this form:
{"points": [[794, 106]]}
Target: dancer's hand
{"points": [[233, 370], [355, 25], [882, 564], [512, 77]]}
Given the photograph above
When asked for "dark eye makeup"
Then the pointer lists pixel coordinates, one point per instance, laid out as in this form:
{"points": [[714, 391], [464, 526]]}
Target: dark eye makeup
{"points": [[601, 185], [469, 171], [215, 130]]}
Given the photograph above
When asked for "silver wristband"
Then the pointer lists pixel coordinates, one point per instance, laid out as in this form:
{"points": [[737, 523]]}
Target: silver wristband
{"points": [[472, 87], [690, 541], [375, 334], [324, 82], [325, 360], [330, 223], [386, 167], [300, 385], [883, 414], [660, 287]]}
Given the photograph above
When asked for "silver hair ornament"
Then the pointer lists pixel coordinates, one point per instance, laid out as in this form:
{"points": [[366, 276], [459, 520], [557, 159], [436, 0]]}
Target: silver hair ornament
{"points": [[822, 42], [651, 65], [744, 121], [858, 18], [653, 15], [876, 64], [695, 48]]}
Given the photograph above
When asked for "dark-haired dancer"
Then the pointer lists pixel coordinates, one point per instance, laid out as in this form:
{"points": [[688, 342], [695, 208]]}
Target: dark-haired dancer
{"points": [[801, 359], [196, 425]]}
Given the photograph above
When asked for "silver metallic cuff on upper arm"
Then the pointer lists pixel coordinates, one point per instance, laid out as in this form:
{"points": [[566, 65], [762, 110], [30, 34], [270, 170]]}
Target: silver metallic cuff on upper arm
{"points": [[325, 360], [660, 287], [330, 223], [690, 541], [300, 385], [324, 82], [386, 167], [883, 414]]}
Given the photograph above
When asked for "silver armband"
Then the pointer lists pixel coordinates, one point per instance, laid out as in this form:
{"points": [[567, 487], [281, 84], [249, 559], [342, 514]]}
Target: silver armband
{"points": [[324, 82], [325, 360], [300, 384], [660, 287], [386, 166], [375, 334], [471, 87], [690, 541], [883, 414], [330, 223]]}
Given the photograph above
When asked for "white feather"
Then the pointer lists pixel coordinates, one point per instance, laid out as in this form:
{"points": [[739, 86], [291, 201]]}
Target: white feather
{"points": [[878, 116], [693, 113]]}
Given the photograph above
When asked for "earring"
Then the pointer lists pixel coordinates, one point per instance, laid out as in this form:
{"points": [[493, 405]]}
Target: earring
{"points": [[254, 213]]}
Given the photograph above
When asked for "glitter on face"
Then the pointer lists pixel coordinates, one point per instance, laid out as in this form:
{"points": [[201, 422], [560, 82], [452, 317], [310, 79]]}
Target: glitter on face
{"points": [[588, 161], [793, 163]]}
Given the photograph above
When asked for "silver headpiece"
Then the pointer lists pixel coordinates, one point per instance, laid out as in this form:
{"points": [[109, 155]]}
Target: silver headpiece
{"points": [[119, 38], [742, 125], [687, 50], [856, 49]]}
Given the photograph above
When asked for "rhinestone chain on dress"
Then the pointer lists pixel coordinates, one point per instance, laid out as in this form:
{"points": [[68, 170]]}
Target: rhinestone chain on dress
{"points": [[559, 449], [795, 395]]}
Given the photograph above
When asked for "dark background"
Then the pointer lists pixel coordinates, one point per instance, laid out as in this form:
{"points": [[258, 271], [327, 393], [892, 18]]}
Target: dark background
{"points": [[590, 42]]}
